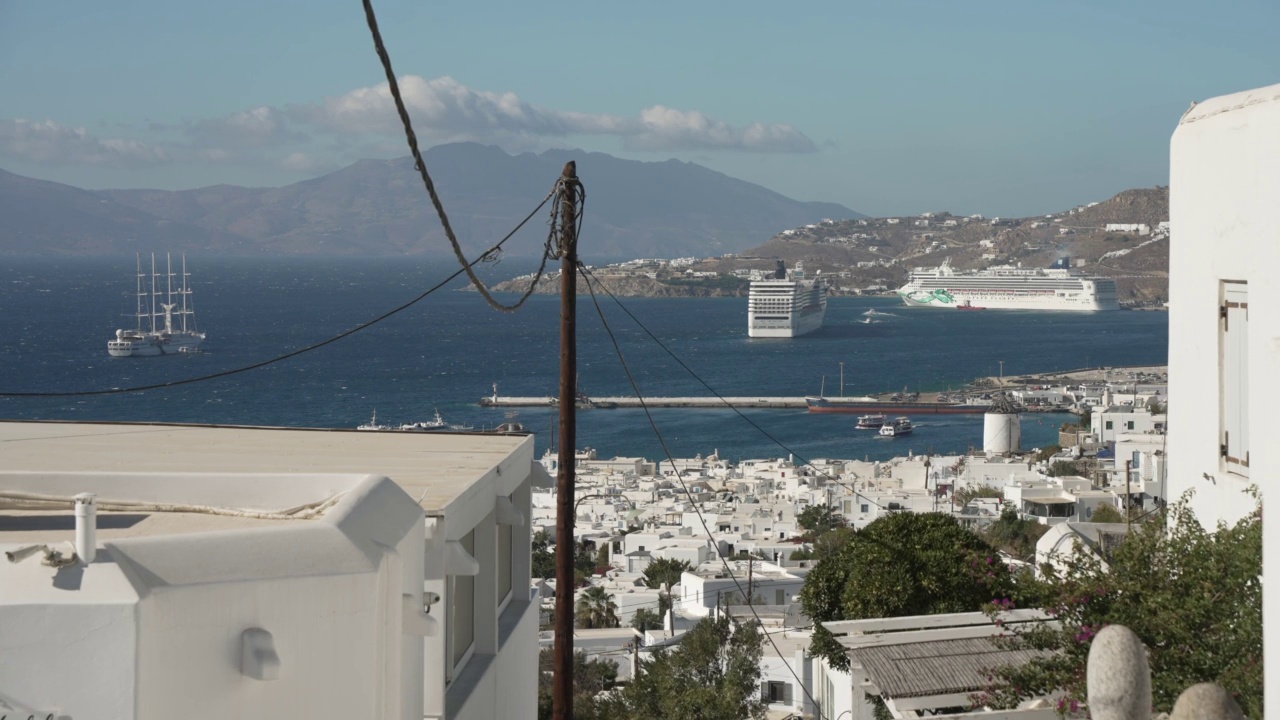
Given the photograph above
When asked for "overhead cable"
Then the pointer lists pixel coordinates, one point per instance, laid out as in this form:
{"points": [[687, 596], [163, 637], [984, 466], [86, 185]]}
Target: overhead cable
{"points": [[635, 387]]}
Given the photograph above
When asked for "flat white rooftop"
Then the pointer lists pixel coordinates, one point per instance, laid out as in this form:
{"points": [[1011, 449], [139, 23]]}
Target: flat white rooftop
{"points": [[434, 468], [25, 527]]}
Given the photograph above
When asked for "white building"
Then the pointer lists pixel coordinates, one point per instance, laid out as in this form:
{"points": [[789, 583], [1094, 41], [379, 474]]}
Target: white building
{"points": [[265, 573], [1224, 362], [1224, 173], [1109, 422]]}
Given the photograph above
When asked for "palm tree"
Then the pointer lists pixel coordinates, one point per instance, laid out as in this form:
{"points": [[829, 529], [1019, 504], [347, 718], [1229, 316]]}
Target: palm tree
{"points": [[596, 609]]}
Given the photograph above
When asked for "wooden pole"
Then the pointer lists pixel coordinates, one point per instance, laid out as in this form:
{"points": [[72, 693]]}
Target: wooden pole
{"points": [[562, 655], [1128, 498]]}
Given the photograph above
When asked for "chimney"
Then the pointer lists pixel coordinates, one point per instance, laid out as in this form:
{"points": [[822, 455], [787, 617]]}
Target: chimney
{"points": [[86, 527]]}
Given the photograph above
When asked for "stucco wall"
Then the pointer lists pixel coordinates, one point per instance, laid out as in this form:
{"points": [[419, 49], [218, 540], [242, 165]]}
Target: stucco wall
{"points": [[1224, 186]]}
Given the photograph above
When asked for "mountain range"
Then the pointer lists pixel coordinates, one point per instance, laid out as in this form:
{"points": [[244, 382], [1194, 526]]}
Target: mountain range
{"points": [[380, 208]]}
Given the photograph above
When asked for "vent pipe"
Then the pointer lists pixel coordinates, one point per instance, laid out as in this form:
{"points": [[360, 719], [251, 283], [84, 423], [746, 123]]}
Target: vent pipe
{"points": [[86, 527]]}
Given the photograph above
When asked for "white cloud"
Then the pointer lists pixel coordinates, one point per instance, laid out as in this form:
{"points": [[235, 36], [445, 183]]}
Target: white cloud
{"points": [[444, 109], [314, 137], [49, 142], [251, 129], [664, 128]]}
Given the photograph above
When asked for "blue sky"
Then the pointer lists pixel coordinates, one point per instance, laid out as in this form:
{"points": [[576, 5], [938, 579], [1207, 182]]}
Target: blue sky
{"points": [[1004, 108]]}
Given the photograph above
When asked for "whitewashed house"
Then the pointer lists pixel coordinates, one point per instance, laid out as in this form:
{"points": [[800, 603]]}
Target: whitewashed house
{"points": [[264, 573], [1224, 323]]}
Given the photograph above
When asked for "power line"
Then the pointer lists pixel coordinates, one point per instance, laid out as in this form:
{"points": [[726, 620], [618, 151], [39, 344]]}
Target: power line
{"points": [[421, 167], [486, 256], [720, 397], [679, 477]]}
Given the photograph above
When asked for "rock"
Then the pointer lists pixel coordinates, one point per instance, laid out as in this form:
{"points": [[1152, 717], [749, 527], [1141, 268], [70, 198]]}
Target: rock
{"points": [[1206, 701], [1119, 679]]}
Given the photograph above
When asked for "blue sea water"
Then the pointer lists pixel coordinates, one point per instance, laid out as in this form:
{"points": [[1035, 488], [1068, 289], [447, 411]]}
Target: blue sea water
{"points": [[445, 352]]}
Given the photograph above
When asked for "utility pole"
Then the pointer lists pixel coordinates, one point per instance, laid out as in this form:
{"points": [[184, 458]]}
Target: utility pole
{"points": [[1128, 499], [1001, 372], [751, 563], [562, 655], [841, 379]]}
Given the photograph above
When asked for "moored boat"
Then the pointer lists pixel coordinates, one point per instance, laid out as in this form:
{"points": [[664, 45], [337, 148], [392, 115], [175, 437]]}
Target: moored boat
{"points": [[159, 337], [870, 422]]}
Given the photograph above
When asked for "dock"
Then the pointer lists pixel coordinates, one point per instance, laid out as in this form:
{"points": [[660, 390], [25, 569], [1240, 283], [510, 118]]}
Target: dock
{"points": [[653, 402]]}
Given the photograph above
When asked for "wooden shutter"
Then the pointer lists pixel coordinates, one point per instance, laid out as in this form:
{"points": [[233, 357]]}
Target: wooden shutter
{"points": [[1234, 376]]}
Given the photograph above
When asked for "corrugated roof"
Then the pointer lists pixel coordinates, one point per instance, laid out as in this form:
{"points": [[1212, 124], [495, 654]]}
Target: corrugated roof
{"points": [[938, 667]]}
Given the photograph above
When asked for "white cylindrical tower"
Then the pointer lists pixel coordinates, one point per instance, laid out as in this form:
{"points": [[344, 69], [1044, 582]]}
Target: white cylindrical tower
{"points": [[86, 527], [1001, 428]]}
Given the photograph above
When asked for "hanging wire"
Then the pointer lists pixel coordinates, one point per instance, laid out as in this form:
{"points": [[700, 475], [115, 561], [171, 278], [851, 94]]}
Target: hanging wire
{"points": [[497, 248], [635, 387], [731, 406], [421, 166]]}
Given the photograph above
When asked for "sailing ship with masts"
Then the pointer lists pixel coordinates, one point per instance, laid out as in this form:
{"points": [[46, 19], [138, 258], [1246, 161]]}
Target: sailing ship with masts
{"points": [[155, 333]]}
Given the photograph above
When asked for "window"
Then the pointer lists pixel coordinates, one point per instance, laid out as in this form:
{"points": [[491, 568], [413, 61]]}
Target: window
{"points": [[779, 597], [1136, 463], [1108, 424], [463, 606], [1233, 377], [776, 692], [1129, 425], [504, 562], [866, 507]]}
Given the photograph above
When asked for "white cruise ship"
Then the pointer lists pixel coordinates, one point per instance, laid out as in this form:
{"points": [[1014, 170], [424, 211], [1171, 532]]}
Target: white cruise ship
{"points": [[155, 333], [786, 305], [1009, 288]]}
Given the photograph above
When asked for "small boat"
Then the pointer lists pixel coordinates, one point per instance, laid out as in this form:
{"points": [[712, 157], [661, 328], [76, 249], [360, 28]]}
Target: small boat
{"points": [[435, 424], [373, 423], [870, 422], [899, 426], [967, 305]]}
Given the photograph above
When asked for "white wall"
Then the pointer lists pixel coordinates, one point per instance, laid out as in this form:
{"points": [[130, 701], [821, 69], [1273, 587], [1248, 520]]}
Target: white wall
{"points": [[1224, 183]]}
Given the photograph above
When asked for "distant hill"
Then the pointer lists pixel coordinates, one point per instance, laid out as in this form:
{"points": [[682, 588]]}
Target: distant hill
{"points": [[47, 218], [379, 207], [889, 247]]}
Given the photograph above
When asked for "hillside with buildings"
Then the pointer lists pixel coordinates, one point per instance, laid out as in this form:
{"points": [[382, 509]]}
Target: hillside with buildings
{"points": [[1125, 237]]}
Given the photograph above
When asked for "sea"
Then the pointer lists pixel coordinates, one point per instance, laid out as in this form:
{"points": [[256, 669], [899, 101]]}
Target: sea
{"points": [[448, 350]]}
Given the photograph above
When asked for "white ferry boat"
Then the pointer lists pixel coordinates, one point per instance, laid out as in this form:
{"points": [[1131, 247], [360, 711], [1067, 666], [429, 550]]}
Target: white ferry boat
{"points": [[155, 333], [1008, 287], [874, 421], [899, 427], [787, 304]]}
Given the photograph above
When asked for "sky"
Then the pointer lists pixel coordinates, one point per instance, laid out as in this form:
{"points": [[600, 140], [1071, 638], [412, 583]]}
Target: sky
{"points": [[1005, 108]]}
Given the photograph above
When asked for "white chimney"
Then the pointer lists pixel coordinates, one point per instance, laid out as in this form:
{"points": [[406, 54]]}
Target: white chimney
{"points": [[86, 527]]}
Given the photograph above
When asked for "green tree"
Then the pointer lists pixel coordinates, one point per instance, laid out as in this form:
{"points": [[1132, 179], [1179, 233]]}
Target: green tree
{"points": [[584, 560], [664, 570], [1015, 535], [544, 563], [713, 674], [1062, 468], [818, 519], [590, 678], [901, 564], [646, 619], [596, 609], [962, 496], [1194, 598], [802, 553], [1047, 452], [1107, 514]]}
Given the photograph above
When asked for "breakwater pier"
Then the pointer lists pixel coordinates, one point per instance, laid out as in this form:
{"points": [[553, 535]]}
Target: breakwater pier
{"points": [[660, 402]]}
